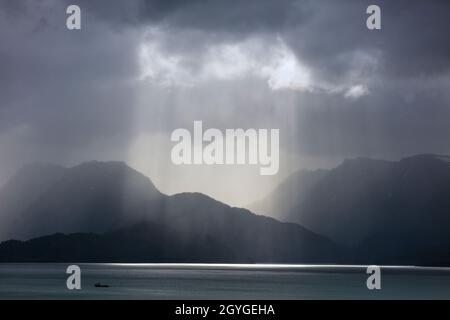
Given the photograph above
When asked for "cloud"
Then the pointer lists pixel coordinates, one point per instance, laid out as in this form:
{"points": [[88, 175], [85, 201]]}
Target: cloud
{"points": [[265, 59], [357, 91], [324, 34]]}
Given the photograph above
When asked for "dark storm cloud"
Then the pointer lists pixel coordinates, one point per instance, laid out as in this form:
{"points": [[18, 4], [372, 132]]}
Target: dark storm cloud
{"points": [[412, 41], [211, 15], [325, 33]]}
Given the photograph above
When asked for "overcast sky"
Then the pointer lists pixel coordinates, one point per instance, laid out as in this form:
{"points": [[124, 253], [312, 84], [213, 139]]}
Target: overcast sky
{"points": [[139, 69]]}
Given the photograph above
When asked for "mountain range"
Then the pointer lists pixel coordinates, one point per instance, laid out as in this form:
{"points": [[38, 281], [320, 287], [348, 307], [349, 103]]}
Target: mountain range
{"points": [[363, 211], [390, 211], [106, 211]]}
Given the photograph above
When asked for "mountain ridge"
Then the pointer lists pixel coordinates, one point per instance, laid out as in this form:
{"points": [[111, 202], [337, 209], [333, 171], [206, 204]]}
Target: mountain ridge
{"points": [[374, 212], [98, 198], [369, 196]]}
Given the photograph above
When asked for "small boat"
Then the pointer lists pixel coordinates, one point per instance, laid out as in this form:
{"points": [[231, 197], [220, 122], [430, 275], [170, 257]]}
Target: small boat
{"points": [[100, 285]]}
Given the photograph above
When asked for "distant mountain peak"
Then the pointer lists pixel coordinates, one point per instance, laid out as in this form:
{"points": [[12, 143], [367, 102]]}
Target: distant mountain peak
{"points": [[97, 163], [92, 196], [110, 168], [367, 194], [363, 161], [197, 196], [426, 157]]}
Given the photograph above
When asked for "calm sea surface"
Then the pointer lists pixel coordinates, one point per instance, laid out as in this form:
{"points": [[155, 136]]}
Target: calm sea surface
{"points": [[186, 281]]}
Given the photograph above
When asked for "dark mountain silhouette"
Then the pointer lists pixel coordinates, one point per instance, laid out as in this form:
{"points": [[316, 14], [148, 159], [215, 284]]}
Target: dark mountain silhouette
{"points": [[152, 242], [144, 242], [381, 212], [390, 211], [92, 197], [113, 213]]}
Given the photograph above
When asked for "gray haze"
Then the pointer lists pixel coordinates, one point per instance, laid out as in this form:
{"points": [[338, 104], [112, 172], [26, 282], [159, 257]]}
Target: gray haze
{"points": [[140, 69]]}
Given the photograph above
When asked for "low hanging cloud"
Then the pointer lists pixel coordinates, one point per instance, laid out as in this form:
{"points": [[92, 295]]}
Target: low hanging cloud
{"points": [[269, 60], [356, 91]]}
